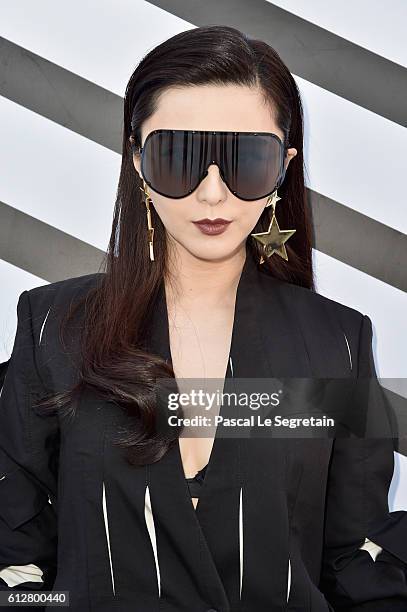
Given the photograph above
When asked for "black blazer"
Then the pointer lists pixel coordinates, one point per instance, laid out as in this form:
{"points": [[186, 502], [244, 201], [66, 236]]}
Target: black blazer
{"points": [[280, 523]]}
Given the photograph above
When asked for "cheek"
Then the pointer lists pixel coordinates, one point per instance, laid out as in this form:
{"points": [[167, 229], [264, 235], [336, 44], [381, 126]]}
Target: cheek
{"points": [[250, 213], [173, 213]]}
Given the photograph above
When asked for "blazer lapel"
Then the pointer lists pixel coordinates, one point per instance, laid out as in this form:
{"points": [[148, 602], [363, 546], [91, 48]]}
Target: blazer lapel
{"points": [[267, 340]]}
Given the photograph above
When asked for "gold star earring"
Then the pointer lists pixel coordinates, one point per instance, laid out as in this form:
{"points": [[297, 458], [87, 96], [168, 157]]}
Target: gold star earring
{"points": [[150, 228], [273, 240]]}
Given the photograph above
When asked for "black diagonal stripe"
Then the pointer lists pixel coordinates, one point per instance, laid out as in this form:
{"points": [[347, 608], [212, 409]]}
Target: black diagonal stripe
{"points": [[359, 240], [401, 446], [311, 52], [60, 95], [43, 250], [94, 112]]}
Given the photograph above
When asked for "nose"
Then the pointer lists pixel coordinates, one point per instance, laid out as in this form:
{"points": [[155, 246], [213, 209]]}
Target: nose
{"points": [[212, 171], [211, 189]]}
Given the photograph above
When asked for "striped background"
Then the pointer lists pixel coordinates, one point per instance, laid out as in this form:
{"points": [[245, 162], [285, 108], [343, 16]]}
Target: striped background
{"points": [[63, 71]]}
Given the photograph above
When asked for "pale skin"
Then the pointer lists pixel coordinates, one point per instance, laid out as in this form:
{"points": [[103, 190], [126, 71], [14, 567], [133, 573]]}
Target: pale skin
{"points": [[204, 270]]}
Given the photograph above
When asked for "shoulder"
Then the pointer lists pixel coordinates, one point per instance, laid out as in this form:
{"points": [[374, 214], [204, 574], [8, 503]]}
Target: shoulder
{"points": [[68, 286], [63, 291], [46, 305], [310, 301], [45, 308], [321, 319]]}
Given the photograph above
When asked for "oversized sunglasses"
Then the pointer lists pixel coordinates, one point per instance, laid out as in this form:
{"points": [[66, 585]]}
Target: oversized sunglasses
{"points": [[174, 162]]}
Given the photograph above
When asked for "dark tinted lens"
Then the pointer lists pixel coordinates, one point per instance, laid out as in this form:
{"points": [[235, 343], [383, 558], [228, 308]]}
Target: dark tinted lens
{"points": [[173, 161], [251, 163]]}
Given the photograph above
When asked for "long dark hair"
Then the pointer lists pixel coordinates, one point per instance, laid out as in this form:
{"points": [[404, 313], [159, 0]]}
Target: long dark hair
{"points": [[114, 362]]}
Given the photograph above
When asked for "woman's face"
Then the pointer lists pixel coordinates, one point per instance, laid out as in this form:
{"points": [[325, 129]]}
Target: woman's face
{"points": [[212, 108]]}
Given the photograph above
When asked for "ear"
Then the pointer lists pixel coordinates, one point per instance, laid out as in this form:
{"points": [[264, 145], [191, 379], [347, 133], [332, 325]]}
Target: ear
{"points": [[291, 153]]}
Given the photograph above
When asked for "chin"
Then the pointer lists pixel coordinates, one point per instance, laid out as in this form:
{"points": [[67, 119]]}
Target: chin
{"points": [[213, 252]]}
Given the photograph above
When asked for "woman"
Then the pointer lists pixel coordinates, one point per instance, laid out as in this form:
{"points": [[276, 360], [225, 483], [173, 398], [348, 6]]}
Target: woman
{"points": [[200, 282]]}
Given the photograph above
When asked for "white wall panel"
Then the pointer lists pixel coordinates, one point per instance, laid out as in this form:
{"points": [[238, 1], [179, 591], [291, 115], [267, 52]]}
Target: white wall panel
{"points": [[398, 489]]}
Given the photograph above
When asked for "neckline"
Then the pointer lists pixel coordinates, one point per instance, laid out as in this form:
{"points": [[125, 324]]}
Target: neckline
{"points": [[159, 343], [158, 325], [216, 439]]}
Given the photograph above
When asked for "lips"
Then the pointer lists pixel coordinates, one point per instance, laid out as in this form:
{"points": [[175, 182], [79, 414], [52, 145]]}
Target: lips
{"points": [[218, 220], [212, 226]]}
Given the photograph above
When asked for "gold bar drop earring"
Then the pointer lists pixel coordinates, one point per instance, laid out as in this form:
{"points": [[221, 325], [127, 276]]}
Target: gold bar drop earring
{"points": [[150, 230]]}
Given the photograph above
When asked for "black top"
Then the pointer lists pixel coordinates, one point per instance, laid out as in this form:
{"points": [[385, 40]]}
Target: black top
{"points": [[195, 483]]}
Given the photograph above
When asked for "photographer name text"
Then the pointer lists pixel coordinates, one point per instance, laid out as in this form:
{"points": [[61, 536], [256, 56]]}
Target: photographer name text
{"points": [[254, 420]]}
